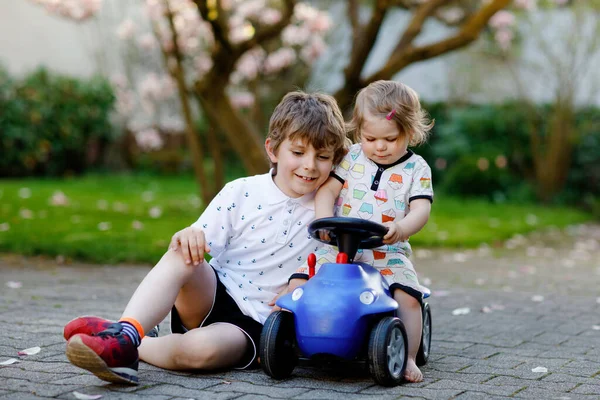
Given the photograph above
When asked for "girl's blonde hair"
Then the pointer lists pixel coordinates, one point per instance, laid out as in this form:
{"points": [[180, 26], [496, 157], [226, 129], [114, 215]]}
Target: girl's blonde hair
{"points": [[381, 98]]}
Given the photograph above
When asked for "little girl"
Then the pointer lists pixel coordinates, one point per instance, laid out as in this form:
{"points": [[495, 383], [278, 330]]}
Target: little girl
{"points": [[382, 181]]}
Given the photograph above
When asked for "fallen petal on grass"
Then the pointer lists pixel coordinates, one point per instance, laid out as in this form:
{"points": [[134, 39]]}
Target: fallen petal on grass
{"points": [[30, 351], [596, 327], [24, 193], [461, 311], [155, 212], [14, 284], [104, 226], [540, 369], [59, 199], [537, 298], [83, 396], [4, 227], [486, 310], [9, 361]]}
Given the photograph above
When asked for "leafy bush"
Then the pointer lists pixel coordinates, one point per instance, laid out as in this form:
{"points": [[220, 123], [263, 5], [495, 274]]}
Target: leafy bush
{"points": [[485, 151], [49, 123]]}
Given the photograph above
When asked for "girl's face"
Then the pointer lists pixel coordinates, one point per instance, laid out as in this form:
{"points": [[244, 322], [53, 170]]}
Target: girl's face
{"points": [[301, 168], [381, 140]]}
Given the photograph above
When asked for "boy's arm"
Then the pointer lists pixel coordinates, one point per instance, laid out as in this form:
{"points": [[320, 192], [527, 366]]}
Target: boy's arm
{"points": [[292, 284], [326, 196], [413, 222]]}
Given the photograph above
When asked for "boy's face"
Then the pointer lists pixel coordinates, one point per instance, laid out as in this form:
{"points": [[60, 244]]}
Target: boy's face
{"points": [[301, 168], [381, 140]]}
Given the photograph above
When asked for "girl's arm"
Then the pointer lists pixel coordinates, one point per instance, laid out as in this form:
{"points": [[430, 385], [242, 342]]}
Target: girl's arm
{"points": [[412, 223], [326, 196]]}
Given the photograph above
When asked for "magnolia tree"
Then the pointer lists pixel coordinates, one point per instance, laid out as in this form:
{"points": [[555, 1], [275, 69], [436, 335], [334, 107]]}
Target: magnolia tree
{"points": [[566, 38], [216, 52]]}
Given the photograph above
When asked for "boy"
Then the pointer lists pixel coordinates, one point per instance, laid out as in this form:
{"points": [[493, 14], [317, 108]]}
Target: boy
{"points": [[255, 230]]}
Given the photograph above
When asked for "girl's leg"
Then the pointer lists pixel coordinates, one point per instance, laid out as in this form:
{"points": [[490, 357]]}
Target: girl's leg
{"points": [[215, 346], [410, 314], [191, 288]]}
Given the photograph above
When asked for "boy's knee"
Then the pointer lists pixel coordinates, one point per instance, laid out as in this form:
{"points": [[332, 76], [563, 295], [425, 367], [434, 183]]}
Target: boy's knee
{"points": [[191, 356]]}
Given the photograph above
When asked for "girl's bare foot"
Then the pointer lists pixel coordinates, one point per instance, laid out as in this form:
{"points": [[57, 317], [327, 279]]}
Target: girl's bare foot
{"points": [[412, 373]]}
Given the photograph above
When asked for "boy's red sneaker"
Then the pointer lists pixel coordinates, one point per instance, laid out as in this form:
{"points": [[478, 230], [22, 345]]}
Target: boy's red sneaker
{"points": [[110, 355], [88, 325]]}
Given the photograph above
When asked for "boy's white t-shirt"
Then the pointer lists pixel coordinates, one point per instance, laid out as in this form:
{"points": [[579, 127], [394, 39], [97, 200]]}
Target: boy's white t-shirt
{"points": [[258, 238]]}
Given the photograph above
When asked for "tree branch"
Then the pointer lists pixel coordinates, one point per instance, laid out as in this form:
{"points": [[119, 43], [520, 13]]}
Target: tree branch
{"points": [[218, 24], [469, 32], [354, 19], [364, 41], [415, 26], [265, 32]]}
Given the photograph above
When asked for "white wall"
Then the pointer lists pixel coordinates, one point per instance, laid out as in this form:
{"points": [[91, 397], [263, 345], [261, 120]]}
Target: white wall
{"points": [[29, 37]]}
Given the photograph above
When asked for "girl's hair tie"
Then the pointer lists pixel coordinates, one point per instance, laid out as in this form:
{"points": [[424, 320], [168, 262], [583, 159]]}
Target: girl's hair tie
{"points": [[390, 115]]}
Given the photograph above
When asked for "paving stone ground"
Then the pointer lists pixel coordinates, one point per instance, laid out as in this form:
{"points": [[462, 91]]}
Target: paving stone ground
{"points": [[533, 302]]}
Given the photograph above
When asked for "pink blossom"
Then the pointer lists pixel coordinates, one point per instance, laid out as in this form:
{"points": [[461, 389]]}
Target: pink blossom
{"points": [[119, 81], [279, 60], [483, 164], [125, 102], [313, 50], [126, 29], [242, 100], [295, 35], [250, 63], [154, 9], [504, 38], [528, 5], [502, 19], [203, 63], [304, 12], [270, 16], [250, 8], [241, 33], [148, 139], [147, 41], [320, 24]]}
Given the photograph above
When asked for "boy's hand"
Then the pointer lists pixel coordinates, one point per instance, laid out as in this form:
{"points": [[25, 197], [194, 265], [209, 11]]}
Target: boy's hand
{"points": [[192, 244], [293, 284], [394, 234]]}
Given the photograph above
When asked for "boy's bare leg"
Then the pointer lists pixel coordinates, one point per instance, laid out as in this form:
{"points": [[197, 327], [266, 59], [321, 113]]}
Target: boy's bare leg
{"points": [[215, 346], [191, 288], [410, 314]]}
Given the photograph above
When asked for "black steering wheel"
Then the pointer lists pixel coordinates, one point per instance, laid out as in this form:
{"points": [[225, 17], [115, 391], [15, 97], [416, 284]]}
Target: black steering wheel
{"points": [[349, 234]]}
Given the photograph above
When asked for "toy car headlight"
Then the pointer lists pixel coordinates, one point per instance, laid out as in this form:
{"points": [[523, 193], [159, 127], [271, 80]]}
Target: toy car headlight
{"points": [[297, 293], [367, 297]]}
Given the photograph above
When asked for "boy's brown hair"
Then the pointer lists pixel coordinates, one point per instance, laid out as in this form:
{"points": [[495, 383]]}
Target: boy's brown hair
{"points": [[314, 117], [380, 98]]}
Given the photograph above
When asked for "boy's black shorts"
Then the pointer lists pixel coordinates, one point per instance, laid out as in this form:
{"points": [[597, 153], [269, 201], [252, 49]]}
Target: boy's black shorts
{"points": [[226, 310]]}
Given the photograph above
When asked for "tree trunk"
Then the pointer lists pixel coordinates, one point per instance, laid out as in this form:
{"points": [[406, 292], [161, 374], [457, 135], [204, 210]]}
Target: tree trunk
{"points": [[246, 142], [216, 152], [553, 160], [192, 137]]}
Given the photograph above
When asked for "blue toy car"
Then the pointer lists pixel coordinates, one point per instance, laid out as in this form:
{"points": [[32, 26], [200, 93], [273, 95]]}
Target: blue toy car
{"points": [[345, 311]]}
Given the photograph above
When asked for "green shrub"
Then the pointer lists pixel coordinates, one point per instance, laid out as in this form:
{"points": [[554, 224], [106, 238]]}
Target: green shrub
{"points": [[49, 122], [472, 136]]}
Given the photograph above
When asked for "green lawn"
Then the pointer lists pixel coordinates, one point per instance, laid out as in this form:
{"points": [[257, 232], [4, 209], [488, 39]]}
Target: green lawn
{"points": [[131, 218]]}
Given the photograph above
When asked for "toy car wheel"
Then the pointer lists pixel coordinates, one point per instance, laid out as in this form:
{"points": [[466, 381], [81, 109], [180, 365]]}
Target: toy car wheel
{"points": [[388, 351], [277, 345], [423, 353]]}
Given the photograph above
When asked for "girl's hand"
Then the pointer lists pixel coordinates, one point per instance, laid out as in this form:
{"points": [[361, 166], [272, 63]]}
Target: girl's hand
{"points": [[395, 233], [192, 245]]}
